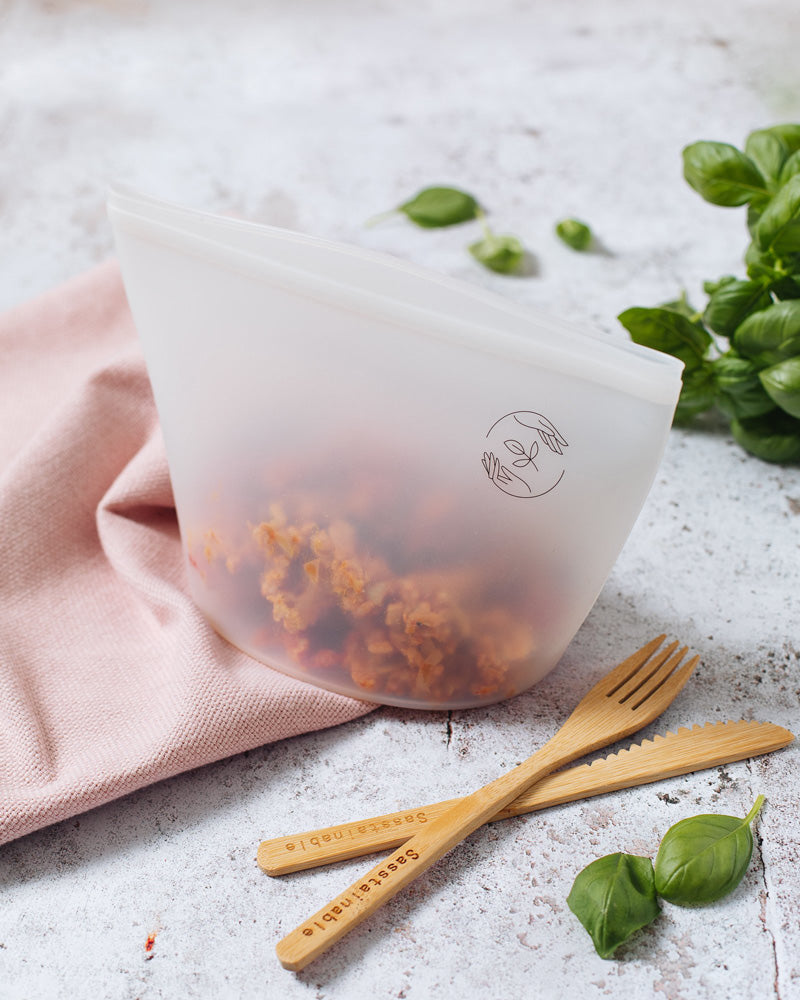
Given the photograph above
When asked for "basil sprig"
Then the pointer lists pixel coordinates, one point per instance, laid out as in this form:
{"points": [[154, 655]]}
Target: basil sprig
{"points": [[701, 859], [742, 354]]}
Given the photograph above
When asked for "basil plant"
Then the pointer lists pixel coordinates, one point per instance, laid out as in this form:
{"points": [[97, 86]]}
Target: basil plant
{"points": [[741, 352]]}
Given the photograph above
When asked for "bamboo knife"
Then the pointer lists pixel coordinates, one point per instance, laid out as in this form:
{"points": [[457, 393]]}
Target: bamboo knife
{"points": [[666, 756]]}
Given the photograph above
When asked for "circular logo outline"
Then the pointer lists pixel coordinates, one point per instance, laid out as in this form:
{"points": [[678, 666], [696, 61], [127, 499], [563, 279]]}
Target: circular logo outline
{"points": [[510, 480]]}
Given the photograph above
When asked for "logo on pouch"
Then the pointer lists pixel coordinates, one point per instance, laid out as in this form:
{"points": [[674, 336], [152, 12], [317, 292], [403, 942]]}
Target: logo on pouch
{"points": [[525, 456]]}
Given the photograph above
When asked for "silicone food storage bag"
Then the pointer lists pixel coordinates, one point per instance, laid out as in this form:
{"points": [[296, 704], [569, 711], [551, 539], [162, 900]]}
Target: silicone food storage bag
{"points": [[388, 483]]}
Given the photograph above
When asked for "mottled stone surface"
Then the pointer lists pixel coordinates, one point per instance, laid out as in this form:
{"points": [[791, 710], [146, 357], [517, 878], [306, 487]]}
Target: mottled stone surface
{"points": [[315, 116]]}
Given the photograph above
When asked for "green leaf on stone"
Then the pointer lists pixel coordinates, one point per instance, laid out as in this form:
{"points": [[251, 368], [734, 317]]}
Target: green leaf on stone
{"points": [[437, 207], [499, 252], [575, 234], [703, 858], [614, 897]]}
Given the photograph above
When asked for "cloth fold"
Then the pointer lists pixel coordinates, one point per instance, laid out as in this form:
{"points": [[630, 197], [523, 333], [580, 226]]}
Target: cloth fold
{"points": [[110, 678]]}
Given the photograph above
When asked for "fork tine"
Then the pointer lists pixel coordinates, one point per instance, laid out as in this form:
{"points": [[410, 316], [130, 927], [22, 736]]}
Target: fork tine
{"points": [[662, 688], [623, 672], [640, 677], [615, 678]]}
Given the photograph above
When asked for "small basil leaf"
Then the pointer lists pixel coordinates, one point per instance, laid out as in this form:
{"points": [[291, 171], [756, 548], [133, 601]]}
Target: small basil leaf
{"points": [[761, 265], [774, 437], [790, 167], [685, 308], [698, 392], [722, 174], [789, 135], [435, 207], [768, 151], [668, 331], [614, 897], [782, 384], [732, 302], [703, 858], [770, 335], [574, 233], [501, 253], [709, 287], [778, 228], [739, 391]]}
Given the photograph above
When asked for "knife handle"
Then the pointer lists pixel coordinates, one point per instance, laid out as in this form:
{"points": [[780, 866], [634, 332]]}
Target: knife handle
{"points": [[663, 757]]}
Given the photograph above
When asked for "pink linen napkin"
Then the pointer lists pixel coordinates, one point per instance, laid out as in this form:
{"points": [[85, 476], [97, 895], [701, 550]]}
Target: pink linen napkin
{"points": [[109, 676]]}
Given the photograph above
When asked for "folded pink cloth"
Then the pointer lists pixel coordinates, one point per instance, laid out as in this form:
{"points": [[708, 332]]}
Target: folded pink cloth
{"points": [[109, 676]]}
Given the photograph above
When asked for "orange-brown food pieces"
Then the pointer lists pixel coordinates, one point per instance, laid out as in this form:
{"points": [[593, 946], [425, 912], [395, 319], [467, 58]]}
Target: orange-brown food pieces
{"points": [[434, 635]]}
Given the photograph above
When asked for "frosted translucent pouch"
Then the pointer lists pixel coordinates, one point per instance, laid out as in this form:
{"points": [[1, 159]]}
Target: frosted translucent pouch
{"points": [[389, 483]]}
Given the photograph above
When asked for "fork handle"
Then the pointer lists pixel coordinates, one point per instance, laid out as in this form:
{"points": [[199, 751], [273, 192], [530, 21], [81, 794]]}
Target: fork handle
{"points": [[329, 924]]}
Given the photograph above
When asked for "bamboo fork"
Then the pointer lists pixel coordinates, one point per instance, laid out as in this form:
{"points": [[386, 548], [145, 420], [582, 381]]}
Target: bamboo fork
{"points": [[629, 697], [665, 756]]}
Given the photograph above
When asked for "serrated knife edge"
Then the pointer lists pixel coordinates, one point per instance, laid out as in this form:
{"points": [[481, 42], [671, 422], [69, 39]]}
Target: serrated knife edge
{"points": [[663, 756]]}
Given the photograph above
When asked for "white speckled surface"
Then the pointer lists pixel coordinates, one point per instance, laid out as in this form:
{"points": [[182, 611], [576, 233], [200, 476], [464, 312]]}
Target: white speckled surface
{"points": [[316, 115]]}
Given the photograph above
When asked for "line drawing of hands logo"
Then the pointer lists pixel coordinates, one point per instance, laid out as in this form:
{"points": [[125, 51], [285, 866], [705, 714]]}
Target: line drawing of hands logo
{"points": [[526, 454]]}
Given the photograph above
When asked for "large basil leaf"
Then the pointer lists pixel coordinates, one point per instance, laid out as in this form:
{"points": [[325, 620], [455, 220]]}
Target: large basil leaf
{"points": [[739, 391], [775, 437], [782, 384], [731, 302], [789, 134], [778, 228], [768, 151], [665, 329], [771, 335], [790, 167], [698, 392], [703, 858], [614, 897], [722, 174]]}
